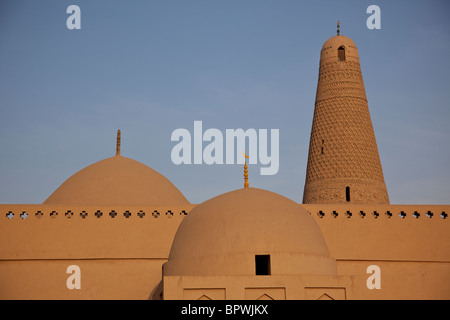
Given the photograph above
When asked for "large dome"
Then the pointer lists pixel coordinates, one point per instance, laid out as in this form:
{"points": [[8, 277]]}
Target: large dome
{"points": [[117, 181], [222, 236]]}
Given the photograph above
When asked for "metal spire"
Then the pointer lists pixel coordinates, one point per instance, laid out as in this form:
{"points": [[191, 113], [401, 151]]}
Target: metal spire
{"points": [[245, 172], [118, 143]]}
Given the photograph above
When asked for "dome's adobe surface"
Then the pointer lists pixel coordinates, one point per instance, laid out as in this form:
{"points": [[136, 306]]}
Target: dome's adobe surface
{"points": [[117, 181], [222, 236], [329, 52], [338, 41]]}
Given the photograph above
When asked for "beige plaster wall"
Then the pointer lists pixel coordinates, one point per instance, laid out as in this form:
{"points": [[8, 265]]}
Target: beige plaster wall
{"points": [[398, 280], [121, 258], [99, 279], [409, 280], [383, 238], [413, 252], [60, 237], [286, 287]]}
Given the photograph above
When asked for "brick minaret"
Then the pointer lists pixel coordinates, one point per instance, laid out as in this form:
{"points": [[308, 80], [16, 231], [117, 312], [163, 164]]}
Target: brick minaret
{"points": [[343, 161]]}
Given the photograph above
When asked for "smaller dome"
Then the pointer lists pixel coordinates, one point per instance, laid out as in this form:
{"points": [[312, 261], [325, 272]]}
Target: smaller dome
{"points": [[330, 49], [337, 41], [117, 181], [223, 235]]}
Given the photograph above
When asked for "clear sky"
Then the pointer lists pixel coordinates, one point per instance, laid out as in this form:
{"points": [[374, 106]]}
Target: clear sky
{"points": [[150, 67]]}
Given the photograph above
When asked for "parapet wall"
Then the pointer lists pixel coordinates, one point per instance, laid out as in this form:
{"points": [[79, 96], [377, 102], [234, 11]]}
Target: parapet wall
{"points": [[385, 232], [121, 250], [354, 232], [71, 232]]}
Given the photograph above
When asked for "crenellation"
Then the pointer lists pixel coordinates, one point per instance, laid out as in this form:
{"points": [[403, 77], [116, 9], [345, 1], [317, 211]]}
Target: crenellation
{"points": [[389, 213], [97, 213], [419, 212]]}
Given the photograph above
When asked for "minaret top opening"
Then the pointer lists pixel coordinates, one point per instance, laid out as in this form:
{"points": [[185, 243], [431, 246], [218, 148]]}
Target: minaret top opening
{"points": [[341, 53]]}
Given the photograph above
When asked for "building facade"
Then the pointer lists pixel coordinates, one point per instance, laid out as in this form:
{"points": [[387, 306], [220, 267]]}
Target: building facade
{"points": [[120, 230]]}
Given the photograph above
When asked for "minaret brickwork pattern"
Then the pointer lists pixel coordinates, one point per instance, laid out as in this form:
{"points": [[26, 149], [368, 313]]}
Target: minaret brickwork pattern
{"points": [[343, 161]]}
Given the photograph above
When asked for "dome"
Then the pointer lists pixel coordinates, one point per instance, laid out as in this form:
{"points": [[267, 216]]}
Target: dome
{"points": [[223, 235], [117, 181], [338, 41], [330, 49]]}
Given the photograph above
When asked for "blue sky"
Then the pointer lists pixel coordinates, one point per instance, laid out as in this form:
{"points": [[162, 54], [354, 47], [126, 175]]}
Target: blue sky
{"points": [[150, 67]]}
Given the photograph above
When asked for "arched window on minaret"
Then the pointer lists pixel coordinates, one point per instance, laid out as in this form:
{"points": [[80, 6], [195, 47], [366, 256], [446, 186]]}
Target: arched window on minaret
{"points": [[347, 194], [341, 53]]}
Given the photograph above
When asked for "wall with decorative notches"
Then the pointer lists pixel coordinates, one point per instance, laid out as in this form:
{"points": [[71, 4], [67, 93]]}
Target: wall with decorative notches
{"points": [[121, 250]]}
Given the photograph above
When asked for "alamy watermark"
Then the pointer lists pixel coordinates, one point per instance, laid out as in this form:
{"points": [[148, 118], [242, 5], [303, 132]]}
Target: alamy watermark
{"points": [[374, 21], [74, 280], [73, 22], [191, 150]]}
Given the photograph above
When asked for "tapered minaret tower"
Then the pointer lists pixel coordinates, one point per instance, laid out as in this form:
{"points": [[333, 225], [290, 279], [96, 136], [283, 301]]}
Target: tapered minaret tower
{"points": [[343, 161]]}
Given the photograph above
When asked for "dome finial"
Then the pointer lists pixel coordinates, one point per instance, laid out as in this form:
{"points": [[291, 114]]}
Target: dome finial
{"points": [[245, 172], [338, 26], [118, 143]]}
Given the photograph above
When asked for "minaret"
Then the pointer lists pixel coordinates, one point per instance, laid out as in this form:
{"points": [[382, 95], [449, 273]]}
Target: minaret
{"points": [[343, 161]]}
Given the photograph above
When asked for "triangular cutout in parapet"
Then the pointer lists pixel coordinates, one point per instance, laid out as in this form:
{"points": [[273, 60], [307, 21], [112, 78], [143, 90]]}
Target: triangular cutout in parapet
{"points": [[265, 297], [325, 297]]}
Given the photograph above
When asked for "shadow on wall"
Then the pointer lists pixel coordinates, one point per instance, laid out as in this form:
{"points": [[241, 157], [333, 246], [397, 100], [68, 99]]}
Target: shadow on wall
{"points": [[157, 292]]}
